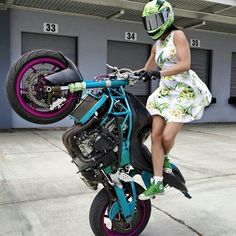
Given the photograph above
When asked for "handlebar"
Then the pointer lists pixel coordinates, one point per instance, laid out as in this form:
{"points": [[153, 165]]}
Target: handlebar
{"points": [[119, 77], [119, 74]]}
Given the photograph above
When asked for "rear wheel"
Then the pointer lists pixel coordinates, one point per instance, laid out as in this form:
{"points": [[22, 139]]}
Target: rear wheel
{"points": [[103, 226], [27, 88]]}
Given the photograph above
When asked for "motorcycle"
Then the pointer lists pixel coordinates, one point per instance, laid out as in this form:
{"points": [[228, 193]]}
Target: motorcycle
{"points": [[106, 142]]}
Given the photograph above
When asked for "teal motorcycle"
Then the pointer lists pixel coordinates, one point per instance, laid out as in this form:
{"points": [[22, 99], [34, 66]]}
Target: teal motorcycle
{"points": [[106, 142]]}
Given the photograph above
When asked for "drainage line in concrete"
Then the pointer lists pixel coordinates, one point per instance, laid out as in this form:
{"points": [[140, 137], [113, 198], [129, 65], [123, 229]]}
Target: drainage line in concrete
{"points": [[179, 221], [42, 199], [50, 142], [213, 177]]}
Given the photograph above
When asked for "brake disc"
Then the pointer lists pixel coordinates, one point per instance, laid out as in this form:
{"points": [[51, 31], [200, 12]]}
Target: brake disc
{"points": [[119, 224], [31, 82]]}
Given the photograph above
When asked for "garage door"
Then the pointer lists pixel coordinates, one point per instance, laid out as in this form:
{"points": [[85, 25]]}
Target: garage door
{"points": [[133, 56], [233, 76], [67, 45], [201, 64], [30, 41]]}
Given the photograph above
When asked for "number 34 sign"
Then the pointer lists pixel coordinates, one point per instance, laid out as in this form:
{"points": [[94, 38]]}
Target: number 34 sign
{"points": [[131, 36], [50, 28]]}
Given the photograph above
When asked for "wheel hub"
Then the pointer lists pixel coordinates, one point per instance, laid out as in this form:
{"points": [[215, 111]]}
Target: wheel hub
{"points": [[119, 224], [35, 85]]}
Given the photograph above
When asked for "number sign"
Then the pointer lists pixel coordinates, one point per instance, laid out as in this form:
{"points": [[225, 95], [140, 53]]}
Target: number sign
{"points": [[131, 36], [50, 28], [195, 43]]}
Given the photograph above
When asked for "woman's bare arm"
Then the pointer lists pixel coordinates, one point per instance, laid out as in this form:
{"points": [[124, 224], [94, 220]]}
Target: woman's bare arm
{"points": [[151, 64], [183, 53]]}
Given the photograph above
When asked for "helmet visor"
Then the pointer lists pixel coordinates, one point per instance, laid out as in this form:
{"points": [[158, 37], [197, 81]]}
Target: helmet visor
{"points": [[155, 21]]}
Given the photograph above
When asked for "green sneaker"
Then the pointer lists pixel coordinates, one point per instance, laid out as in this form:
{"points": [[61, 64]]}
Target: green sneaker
{"points": [[154, 189], [167, 166]]}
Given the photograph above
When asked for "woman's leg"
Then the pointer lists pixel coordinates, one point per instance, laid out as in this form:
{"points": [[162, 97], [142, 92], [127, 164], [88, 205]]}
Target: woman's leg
{"points": [[163, 138], [170, 132], [156, 187], [158, 127]]}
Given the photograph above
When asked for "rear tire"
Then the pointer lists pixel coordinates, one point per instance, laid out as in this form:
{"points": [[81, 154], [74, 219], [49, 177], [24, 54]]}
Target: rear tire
{"points": [[98, 211], [17, 103]]}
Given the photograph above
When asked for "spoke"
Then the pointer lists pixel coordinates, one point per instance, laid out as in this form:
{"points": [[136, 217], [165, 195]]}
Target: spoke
{"points": [[54, 68], [118, 216], [24, 89], [34, 70], [130, 227], [34, 106]]}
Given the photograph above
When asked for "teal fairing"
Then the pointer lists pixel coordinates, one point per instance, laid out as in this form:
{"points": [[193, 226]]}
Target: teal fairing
{"points": [[120, 108]]}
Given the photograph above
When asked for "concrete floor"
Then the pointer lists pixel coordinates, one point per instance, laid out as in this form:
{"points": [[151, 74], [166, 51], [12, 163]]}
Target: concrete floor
{"points": [[40, 193]]}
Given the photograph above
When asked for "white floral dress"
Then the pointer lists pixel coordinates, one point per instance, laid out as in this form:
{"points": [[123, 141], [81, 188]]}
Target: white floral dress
{"points": [[179, 98]]}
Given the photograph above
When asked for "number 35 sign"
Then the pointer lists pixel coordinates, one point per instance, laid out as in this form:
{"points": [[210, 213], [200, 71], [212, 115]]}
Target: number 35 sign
{"points": [[195, 43], [50, 28]]}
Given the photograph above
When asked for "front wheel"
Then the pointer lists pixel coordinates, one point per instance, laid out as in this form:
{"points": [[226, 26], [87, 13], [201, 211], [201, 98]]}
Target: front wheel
{"points": [[27, 88], [103, 226]]}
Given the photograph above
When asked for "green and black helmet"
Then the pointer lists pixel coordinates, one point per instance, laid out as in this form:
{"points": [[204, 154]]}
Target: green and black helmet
{"points": [[157, 16]]}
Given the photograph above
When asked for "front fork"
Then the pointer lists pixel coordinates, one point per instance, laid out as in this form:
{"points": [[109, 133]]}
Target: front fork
{"points": [[125, 202]]}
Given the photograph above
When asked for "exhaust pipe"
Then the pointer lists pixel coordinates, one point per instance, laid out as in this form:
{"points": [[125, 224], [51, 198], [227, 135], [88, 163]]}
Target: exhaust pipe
{"points": [[69, 142]]}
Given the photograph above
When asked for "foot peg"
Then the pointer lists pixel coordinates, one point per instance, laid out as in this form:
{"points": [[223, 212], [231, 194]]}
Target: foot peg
{"points": [[124, 177], [187, 195]]}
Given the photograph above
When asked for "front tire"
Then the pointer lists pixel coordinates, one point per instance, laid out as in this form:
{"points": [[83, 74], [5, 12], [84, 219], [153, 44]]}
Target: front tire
{"points": [[26, 78], [103, 226]]}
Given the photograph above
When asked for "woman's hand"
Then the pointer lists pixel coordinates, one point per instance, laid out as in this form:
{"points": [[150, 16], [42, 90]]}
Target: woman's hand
{"points": [[147, 75]]}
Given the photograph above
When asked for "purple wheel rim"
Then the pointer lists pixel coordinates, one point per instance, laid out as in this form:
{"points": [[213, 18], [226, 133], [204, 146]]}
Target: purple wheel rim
{"points": [[129, 233], [48, 114]]}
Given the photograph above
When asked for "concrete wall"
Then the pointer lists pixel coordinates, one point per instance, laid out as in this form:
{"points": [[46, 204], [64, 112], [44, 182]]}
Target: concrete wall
{"points": [[5, 111], [92, 52]]}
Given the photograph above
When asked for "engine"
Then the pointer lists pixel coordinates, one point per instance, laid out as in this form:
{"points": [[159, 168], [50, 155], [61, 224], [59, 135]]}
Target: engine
{"points": [[97, 142], [93, 144]]}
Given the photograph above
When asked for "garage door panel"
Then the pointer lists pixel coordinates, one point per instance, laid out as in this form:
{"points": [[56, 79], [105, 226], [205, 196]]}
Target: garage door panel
{"points": [[201, 64], [233, 76], [67, 45], [132, 56]]}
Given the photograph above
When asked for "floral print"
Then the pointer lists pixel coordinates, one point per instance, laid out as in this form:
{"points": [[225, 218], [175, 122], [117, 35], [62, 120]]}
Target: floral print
{"points": [[179, 98]]}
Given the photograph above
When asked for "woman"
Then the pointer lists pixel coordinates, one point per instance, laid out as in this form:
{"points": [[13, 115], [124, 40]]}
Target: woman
{"points": [[181, 96]]}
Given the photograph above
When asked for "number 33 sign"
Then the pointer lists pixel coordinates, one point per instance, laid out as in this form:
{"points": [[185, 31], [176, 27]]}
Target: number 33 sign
{"points": [[50, 28]]}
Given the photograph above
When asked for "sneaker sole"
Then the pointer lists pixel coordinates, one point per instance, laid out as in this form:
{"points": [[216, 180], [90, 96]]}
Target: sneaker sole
{"points": [[144, 198], [168, 170]]}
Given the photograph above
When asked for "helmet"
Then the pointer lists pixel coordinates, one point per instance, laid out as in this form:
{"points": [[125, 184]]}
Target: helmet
{"points": [[157, 17]]}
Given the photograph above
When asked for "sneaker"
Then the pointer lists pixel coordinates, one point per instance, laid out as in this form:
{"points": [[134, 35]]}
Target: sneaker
{"points": [[167, 166], [154, 189]]}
